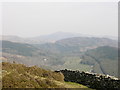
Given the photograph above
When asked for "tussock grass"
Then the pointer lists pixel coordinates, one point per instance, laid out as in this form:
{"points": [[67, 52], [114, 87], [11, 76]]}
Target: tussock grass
{"points": [[20, 76]]}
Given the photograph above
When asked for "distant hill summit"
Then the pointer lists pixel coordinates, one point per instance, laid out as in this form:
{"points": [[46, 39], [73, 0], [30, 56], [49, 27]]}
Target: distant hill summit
{"points": [[58, 36], [50, 38], [87, 42]]}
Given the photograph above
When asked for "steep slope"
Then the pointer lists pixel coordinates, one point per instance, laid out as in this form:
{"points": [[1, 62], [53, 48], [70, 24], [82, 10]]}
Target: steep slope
{"points": [[103, 59], [17, 48], [20, 76]]}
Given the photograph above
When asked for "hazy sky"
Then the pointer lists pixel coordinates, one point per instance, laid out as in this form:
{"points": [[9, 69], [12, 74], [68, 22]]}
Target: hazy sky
{"points": [[38, 18]]}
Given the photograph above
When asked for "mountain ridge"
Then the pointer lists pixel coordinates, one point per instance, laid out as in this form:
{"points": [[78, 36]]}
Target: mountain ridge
{"points": [[61, 56], [51, 38]]}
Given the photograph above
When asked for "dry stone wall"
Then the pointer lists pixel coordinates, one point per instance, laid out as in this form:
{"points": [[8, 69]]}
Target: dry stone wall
{"points": [[91, 80]]}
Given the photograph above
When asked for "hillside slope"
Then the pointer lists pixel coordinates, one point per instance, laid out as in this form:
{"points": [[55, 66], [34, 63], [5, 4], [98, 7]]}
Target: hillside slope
{"points": [[20, 76], [17, 48], [56, 56], [84, 43], [103, 59]]}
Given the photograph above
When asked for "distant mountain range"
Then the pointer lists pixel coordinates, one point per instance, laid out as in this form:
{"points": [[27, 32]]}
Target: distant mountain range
{"points": [[77, 53], [62, 50], [51, 38]]}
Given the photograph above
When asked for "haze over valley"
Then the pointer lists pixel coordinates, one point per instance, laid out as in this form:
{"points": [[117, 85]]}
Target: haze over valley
{"points": [[59, 44], [68, 51]]}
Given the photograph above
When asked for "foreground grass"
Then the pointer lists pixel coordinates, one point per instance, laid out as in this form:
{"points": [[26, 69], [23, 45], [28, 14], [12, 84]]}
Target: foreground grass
{"points": [[74, 85], [20, 76]]}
